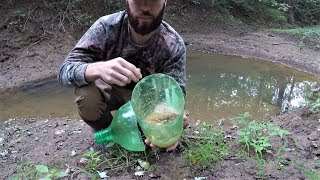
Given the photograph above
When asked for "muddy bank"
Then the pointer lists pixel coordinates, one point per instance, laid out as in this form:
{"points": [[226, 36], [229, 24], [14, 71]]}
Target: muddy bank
{"points": [[41, 60], [260, 44], [61, 143]]}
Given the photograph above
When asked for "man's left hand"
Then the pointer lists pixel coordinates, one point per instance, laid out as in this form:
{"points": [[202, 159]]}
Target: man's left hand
{"points": [[174, 146]]}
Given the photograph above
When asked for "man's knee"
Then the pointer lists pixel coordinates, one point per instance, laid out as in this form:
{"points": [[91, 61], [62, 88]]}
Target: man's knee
{"points": [[90, 102]]}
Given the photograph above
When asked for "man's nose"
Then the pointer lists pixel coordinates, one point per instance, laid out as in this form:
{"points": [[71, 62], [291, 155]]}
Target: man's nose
{"points": [[145, 5]]}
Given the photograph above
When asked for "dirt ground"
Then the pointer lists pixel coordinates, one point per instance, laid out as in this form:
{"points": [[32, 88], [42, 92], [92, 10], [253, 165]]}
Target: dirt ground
{"points": [[27, 56]]}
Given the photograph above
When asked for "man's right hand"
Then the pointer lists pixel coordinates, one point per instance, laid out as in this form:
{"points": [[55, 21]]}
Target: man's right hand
{"points": [[116, 71]]}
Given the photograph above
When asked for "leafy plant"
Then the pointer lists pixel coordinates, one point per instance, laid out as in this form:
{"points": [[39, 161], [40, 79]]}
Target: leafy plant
{"points": [[40, 171], [314, 106], [25, 171], [257, 135], [207, 148], [49, 174], [90, 160]]}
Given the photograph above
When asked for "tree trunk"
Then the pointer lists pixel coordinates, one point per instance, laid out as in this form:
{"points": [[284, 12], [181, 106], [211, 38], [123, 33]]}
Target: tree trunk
{"points": [[291, 11]]}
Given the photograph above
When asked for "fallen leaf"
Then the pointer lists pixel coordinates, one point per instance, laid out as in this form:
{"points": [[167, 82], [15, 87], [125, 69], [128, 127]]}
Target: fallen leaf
{"points": [[103, 175], [145, 165], [200, 178], [73, 153], [83, 160], [139, 173], [68, 170], [4, 153], [152, 175], [58, 132]]}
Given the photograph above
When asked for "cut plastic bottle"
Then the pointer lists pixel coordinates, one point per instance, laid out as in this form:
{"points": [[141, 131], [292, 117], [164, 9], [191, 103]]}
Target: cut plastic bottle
{"points": [[123, 130]]}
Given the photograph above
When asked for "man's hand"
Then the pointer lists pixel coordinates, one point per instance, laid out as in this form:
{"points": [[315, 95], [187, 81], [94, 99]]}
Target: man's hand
{"points": [[171, 148], [174, 146], [116, 71]]}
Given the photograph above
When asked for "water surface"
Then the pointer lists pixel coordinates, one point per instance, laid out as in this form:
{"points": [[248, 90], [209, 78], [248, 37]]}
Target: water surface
{"points": [[219, 87]]}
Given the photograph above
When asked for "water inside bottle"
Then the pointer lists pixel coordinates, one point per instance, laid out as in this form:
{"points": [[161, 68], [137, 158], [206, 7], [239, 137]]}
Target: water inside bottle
{"points": [[162, 114]]}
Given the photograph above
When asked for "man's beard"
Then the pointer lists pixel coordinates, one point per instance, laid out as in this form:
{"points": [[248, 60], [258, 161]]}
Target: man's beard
{"points": [[145, 28]]}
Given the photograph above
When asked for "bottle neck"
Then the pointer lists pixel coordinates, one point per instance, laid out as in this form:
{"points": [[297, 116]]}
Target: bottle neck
{"points": [[103, 136]]}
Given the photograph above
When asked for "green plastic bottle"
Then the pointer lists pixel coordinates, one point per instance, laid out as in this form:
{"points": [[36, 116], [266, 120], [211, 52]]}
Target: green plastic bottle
{"points": [[123, 130], [158, 103]]}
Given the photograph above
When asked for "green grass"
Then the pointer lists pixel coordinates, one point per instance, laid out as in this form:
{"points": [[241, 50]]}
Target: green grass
{"points": [[305, 168], [27, 171], [94, 162], [207, 148], [313, 31], [305, 32]]}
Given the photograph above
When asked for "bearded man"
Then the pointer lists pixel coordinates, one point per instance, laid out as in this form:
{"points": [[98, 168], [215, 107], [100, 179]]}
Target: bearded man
{"points": [[115, 53]]}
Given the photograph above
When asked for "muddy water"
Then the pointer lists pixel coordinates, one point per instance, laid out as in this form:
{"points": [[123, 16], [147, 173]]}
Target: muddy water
{"points": [[219, 87], [43, 99]]}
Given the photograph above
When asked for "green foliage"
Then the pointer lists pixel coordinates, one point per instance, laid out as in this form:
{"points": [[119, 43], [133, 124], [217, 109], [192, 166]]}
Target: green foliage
{"points": [[43, 170], [306, 12], [117, 158], [208, 148], [68, 13], [305, 33], [25, 171], [314, 101], [269, 11], [314, 106], [91, 160], [114, 5], [311, 174], [257, 135], [40, 171], [274, 12]]}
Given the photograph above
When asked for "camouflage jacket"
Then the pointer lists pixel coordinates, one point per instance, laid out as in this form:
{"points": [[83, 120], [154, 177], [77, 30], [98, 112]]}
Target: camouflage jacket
{"points": [[108, 38]]}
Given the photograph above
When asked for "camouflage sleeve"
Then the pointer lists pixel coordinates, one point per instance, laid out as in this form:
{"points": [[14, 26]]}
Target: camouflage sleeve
{"points": [[90, 48], [176, 65]]}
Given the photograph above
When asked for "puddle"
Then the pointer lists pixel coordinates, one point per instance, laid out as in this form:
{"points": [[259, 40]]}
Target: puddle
{"points": [[219, 87]]}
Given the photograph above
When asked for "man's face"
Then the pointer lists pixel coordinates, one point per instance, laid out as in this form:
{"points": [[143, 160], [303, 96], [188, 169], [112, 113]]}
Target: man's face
{"points": [[145, 16]]}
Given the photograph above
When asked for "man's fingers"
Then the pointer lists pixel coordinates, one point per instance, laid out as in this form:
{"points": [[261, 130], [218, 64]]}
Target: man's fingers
{"points": [[149, 143], [121, 77], [118, 82], [112, 80], [127, 73], [136, 72], [173, 147]]}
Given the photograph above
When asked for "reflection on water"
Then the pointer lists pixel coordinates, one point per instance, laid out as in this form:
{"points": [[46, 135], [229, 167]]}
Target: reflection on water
{"points": [[219, 87]]}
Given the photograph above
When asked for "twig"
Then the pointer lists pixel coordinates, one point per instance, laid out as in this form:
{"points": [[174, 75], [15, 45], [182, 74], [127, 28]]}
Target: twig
{"points": [[279, 43], [197, 137], [29, 16], [32, 44]]}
